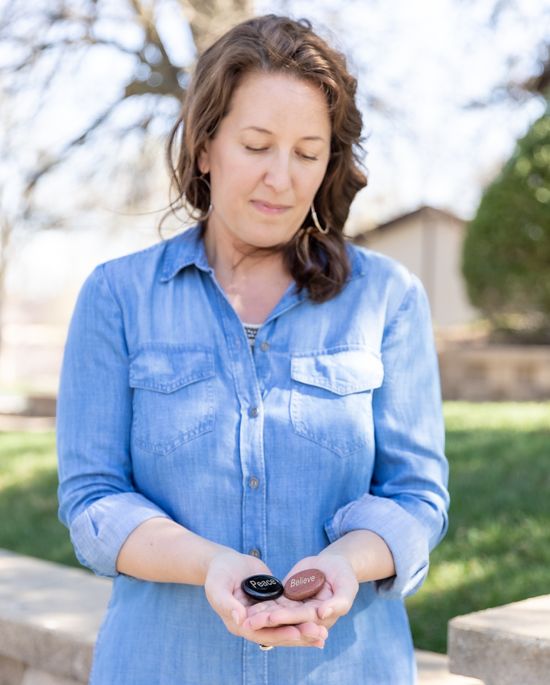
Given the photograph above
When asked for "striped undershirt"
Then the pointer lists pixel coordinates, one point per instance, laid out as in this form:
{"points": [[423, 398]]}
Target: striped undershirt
{"points": [[251, 331]]}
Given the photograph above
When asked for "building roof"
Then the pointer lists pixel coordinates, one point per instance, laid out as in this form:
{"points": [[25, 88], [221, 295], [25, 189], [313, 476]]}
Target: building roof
{"points": [[425, 211]]}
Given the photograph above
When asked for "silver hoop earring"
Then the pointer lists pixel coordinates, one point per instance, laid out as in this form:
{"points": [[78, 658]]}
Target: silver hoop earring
{"points": [[316, 221], [204, 217]]}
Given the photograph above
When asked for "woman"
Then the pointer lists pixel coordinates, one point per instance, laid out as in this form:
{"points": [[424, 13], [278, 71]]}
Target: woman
{"points": [[255, 395]]}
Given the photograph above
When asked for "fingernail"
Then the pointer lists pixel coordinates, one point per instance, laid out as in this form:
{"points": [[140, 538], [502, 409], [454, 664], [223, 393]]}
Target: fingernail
{"points": [[235, 615]]}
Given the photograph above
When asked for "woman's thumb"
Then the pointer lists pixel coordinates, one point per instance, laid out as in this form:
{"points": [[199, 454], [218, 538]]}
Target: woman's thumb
{"points": [[235, 610], [229, 607], [235, 615]]}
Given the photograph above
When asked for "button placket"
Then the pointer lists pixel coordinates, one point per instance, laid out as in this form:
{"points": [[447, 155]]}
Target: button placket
{"points": [[243, 370], [250, 371]]}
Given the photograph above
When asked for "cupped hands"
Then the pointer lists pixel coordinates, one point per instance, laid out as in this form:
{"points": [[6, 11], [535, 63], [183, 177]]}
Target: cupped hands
{"points": [[282, 621]]}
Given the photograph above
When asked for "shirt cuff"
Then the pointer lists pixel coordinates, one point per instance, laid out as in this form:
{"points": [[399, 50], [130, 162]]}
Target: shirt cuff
{"points": [[406, 538], [99, 531]]}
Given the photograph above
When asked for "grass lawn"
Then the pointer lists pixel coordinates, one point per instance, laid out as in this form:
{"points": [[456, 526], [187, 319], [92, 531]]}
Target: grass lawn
{"points": [[497, 549], [28, 498]]}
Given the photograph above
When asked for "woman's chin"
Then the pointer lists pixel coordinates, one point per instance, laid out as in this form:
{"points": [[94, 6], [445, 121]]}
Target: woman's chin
{"points": [[265, 239]]}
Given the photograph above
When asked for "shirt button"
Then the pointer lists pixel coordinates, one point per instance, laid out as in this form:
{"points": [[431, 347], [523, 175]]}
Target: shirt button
{"points": [[264, 347], [253, 482], [255, 553], [253, 412]]}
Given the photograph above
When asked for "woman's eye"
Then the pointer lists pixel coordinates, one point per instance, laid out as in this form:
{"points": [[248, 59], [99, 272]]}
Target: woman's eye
{"points": [[309, 158]]}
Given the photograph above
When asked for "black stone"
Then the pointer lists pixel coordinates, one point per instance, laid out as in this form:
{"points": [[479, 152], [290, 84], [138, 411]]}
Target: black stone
{"points": [[262, 587]]}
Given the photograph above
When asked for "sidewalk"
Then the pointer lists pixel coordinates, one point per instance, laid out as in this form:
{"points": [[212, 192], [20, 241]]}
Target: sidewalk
{"points": [[433, 669]]}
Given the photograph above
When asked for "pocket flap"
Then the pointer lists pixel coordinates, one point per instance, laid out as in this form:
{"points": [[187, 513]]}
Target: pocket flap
{"points": [[343, 372], [166, 368]]}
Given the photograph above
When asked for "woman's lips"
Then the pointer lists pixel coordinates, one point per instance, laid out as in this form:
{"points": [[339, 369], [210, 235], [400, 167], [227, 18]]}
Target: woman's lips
{"points": [[267, 208]]}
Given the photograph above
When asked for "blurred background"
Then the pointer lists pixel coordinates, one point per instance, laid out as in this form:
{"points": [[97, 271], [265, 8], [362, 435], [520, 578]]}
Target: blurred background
{"points": [[454, 95], [455, 98]]}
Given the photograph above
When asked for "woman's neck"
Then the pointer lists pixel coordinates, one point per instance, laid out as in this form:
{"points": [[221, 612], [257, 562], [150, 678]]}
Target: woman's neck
{"points": [[253, 284], [234, 268]]}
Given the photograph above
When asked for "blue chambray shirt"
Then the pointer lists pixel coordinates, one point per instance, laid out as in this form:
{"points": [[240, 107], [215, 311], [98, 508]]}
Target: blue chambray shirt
{"points": [[331, 423]]}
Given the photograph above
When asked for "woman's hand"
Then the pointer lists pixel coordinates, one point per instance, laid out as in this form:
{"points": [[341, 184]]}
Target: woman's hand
{"points": [[223, 590], [332, 601]]}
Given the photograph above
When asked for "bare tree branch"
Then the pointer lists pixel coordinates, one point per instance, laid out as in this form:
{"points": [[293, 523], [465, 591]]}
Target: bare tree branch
{"points": [[63, 154], [540, 83], [68, 32]]}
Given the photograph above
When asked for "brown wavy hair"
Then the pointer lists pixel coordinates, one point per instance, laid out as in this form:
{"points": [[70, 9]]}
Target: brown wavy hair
{"points": [[272, 44]]}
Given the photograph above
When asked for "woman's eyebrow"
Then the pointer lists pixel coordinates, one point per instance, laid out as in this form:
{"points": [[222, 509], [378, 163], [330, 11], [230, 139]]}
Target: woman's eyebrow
{"points": [[265, 130]]}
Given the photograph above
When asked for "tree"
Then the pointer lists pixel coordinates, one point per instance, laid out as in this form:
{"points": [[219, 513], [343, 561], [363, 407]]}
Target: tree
{"points": [[507, 246], [57, 36], [43, 48], [503, 13]]}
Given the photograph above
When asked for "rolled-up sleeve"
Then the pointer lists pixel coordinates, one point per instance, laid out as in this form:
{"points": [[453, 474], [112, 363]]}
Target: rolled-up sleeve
{"points": [[408, 500], [97, 500]]}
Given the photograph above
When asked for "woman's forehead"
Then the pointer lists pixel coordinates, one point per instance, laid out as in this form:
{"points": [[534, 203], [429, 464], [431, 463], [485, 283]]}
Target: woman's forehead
{"points": [[269, 100]]}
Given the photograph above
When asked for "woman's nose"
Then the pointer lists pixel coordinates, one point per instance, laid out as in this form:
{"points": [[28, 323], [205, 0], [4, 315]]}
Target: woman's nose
{"points": [[278, 174]]}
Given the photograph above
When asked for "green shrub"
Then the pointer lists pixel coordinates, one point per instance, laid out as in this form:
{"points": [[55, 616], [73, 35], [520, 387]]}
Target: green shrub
{"points": [[506, 256]]}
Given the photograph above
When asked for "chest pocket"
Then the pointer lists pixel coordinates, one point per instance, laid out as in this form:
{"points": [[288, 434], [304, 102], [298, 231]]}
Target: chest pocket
{"points": [[331, 397], [173, 395]]}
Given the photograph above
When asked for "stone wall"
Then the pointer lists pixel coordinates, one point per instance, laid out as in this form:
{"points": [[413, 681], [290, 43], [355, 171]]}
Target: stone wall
{"points": [[506, 645], [495, 372], [49, 618]]}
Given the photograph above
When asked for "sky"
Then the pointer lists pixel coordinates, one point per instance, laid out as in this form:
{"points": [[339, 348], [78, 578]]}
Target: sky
{"points": [[424, 60], [427, 59]]}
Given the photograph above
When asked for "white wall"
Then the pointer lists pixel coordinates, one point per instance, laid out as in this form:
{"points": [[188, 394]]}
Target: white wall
{"points": [[430, 245]]}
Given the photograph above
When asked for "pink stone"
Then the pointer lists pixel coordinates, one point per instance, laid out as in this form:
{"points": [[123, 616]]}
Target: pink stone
{"points": [[304, 584]]}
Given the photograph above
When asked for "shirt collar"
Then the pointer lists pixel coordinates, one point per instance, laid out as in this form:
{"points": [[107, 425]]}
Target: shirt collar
{"points": [[187, 248], [183, 250]]}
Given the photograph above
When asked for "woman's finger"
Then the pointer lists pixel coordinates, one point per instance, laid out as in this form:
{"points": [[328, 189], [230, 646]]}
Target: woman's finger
{"points": [[337, 605], [313, 631], [344, 589], [280, 615], [290, 636]]}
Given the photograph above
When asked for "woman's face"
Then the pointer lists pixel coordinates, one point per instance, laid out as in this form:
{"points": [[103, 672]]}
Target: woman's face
{"points": [[267, 159]]}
